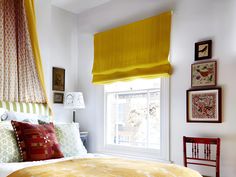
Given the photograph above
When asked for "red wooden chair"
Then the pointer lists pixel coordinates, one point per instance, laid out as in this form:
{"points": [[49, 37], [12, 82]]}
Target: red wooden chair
{"points": [[208, 157]]}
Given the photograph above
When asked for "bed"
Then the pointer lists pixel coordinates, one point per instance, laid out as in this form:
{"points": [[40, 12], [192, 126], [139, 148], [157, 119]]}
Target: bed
{"points": [[8, 168], [76, 160], [94, 165]]}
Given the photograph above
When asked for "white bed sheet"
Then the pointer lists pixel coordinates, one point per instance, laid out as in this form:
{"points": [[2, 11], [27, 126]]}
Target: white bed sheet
{"points": [[8, 168]]}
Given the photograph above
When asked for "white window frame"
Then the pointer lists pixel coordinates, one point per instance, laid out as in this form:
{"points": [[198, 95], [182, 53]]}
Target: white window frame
{"points": [[162, 155]]}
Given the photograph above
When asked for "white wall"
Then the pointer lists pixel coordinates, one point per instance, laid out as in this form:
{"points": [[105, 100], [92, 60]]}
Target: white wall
{"points": [[57, 31], [90, 117], [193, 20]]}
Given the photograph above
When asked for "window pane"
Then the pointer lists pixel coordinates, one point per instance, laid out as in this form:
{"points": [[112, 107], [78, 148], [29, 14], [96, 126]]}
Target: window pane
{"points": [[154, 120], [129, 122]]}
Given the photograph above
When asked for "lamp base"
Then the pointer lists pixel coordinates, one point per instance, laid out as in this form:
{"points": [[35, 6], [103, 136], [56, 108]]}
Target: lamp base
{"points": [[74, 116]]}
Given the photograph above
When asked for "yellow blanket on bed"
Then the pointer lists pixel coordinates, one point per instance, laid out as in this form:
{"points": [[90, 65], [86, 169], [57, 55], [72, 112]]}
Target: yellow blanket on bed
{"points": [[105, 167]]}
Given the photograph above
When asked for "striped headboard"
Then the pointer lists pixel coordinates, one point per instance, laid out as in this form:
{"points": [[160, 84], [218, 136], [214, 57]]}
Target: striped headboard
{"points": [[33, 108]]}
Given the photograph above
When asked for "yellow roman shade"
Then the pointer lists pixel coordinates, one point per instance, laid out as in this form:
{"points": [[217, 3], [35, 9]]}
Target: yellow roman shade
{"points": [[137, 50]]}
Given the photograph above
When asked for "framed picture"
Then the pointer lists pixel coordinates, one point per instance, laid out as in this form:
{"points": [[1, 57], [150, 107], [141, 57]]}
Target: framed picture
{"points": [[204, 74], [58, 98], [203, 50], [58, 79], [204, 105]]}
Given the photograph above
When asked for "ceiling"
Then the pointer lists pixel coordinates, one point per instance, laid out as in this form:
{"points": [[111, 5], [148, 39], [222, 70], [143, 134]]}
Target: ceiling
{"points": [[120, 12], [100, 15], [78, 6]]}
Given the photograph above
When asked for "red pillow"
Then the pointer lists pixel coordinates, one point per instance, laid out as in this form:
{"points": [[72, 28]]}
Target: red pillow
{"points": [[36, 142]]}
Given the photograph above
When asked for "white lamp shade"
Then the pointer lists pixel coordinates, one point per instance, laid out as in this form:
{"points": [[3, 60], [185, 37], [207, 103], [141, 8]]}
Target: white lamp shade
{"points": [[74, 100]]}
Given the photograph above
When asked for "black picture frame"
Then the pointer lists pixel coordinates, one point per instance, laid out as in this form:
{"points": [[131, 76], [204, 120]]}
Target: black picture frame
{"points": [[189, 107], [58, 79], [203, 50], [58, 98]]}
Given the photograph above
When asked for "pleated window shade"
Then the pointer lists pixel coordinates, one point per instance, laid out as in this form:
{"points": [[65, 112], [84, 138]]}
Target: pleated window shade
{"points": [[137, 50]]}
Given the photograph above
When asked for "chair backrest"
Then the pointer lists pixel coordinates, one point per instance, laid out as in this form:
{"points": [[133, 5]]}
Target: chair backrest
{"points": [[208, 157]]}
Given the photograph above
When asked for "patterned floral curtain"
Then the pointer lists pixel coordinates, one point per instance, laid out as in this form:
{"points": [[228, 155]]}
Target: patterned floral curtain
{"points": [[19, 79]]}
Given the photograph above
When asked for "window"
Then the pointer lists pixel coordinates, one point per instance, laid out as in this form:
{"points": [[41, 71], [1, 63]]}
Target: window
{"points": [[134, 116]]}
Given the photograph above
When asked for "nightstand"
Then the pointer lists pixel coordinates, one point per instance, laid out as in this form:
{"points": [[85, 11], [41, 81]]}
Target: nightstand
{"points": [[84, 139]]}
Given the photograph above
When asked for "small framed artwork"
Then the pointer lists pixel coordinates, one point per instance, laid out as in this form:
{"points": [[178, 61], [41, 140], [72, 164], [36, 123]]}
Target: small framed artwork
{"points": [[203, 50], [204, 105], [58, 98], [58, 79], [204, 74]]}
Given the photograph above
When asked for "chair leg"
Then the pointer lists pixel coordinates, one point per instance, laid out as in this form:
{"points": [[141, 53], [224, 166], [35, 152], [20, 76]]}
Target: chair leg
{"points": [[217, 171]]}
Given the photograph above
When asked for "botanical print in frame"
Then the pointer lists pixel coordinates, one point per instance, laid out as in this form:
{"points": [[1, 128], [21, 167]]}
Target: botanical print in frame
{"points": [[58, 79], [204, 74], [58, 98], [204, 105]]}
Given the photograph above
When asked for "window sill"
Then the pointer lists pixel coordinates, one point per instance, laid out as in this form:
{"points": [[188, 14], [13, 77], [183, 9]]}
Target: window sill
{"points": [[134, 153]]}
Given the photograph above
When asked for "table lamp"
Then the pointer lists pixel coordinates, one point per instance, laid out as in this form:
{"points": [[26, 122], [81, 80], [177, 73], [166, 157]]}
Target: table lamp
{"points": [[74, 101]]}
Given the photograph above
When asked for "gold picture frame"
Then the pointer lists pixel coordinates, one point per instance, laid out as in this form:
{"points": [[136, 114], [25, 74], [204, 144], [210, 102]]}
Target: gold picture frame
{"points": [[204, 74], [58, 79], [58, 98]]}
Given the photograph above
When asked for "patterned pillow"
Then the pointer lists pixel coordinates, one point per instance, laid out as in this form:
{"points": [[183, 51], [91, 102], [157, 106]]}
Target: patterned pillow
{"points": [[36, 142], [69, 139], [8, 145]]}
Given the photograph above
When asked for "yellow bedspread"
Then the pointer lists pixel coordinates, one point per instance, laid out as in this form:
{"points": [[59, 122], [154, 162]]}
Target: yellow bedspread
{"points": [[105, 167]]}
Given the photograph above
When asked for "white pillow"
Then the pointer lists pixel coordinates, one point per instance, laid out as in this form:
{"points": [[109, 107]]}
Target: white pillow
{"points": [[3, 114], [26, 117], [68, 136]]}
